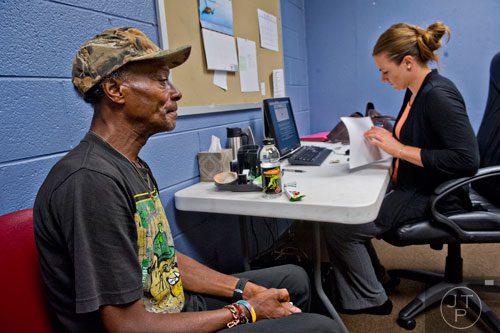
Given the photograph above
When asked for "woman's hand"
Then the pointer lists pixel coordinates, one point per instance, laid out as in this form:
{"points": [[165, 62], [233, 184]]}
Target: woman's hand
{"points": [[384, 139]]}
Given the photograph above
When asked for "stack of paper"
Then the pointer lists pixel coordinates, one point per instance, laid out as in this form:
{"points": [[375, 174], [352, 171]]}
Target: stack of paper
{"points": [[361, 151]]}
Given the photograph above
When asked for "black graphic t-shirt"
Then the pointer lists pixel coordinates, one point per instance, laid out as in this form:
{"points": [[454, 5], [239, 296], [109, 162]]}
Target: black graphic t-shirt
{"points": [[103, 238]]}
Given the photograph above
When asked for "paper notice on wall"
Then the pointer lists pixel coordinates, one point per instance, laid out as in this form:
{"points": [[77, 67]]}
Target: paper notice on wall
{"points": [[268, 28], [278, 83], [247, 57], [220, 51], [361, 151], [220, 79]]}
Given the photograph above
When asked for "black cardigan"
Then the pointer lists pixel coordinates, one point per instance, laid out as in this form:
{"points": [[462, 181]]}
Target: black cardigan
{"points": [[438, 124]]}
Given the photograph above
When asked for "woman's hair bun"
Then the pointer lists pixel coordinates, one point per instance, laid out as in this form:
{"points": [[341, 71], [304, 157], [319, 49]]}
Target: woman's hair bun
{"points": [[435, 33]]}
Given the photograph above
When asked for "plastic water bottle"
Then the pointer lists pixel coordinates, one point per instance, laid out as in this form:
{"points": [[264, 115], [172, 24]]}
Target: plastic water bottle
{"points": [[270, 169]]}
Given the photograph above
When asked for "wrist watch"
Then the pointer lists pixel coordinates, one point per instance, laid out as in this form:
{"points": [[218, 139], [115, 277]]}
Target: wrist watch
{"points": [[238, 290]]}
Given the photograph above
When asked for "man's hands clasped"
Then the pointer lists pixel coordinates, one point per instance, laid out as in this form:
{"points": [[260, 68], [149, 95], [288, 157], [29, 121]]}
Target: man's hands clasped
{"points": [[269, 303]]}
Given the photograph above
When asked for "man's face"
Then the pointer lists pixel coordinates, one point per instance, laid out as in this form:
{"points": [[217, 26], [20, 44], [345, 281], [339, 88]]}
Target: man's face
{"points": [[150, 98]]}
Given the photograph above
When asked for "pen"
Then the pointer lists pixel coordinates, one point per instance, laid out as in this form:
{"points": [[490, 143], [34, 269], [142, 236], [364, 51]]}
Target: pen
{"points": [[294, 170]]}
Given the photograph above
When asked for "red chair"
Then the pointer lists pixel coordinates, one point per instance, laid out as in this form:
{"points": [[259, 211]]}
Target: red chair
{"points": [[22, 308]]}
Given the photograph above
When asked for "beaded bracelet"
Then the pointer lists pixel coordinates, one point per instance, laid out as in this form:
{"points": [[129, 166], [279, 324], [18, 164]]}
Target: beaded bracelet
{"points": [[238, 313], [250, 309], [241, 312]]}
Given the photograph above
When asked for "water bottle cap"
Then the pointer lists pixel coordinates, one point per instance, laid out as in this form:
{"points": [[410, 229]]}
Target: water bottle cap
{"points": [[268, 141]]}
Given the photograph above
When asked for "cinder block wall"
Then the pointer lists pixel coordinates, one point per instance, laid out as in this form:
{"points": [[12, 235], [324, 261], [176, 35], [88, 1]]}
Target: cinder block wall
{"points": [[42, 117]]}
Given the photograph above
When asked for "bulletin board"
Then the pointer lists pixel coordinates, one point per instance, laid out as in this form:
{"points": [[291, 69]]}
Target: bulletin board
{"points": [[193, 78]]}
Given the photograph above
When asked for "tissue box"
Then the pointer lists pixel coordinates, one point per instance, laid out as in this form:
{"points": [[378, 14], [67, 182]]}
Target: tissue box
{"points": [[211, 164]]}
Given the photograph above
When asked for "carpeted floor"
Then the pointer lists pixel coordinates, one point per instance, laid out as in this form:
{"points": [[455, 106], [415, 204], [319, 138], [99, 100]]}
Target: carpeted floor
{"points": [[482, 260]]}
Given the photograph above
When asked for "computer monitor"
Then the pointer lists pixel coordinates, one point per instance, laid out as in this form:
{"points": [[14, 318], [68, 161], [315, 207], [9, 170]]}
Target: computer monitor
{"points": [[279, 123]]}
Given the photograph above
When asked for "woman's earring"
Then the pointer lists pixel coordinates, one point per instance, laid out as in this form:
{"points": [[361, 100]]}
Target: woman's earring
{"points": [[409, 67]]}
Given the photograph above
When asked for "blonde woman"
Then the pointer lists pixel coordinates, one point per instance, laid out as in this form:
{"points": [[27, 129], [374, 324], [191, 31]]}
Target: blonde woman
{"points": [[432, 142]]}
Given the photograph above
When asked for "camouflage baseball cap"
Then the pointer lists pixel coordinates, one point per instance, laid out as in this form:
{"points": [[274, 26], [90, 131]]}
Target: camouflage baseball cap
{"points": [[113, 48]]}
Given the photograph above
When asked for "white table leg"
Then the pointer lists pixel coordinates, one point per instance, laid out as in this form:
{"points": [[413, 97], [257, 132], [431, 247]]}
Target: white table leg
{"points": [[317, 280]]}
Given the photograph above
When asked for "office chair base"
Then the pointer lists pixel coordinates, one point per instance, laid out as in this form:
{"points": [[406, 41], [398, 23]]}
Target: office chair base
{"points": [[436, 293]]}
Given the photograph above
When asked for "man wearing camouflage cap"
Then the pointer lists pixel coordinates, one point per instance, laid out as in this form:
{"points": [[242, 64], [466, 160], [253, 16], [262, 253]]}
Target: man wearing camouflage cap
{"points": [[106, 250]]}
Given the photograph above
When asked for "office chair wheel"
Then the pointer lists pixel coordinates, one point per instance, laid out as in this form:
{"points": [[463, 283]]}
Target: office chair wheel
{"points": [[407, 324]]}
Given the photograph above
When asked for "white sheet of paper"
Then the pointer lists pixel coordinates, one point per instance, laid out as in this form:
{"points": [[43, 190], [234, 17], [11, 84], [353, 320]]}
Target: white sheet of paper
{"points": [[220, 51], [220, 79], [268, 29], [361, 152], [278, 83], [247, 57]]}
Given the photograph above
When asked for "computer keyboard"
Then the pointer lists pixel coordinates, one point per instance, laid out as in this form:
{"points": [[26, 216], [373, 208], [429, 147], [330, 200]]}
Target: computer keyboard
{"points": [[309, 155]]}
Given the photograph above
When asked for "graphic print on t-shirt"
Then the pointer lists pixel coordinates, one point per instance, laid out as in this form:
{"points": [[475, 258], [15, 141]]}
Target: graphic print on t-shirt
{"points": [[161, 279]]}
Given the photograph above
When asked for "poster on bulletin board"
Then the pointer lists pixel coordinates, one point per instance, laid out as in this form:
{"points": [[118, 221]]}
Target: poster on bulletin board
{"points": [[217, 15]]}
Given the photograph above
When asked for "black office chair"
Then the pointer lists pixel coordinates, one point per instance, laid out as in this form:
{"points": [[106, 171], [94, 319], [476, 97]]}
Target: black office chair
{"points": [[478, 226]]}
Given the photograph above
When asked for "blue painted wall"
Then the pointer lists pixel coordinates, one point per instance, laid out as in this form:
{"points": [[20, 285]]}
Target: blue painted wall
{"points": [[42, 117], [341, 35], [295, 59]]}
